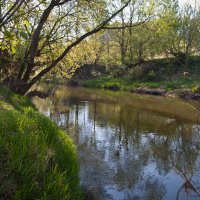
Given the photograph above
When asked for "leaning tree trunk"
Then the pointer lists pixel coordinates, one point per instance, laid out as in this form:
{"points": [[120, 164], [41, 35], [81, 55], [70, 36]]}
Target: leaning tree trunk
{"points": [[18, 86]]}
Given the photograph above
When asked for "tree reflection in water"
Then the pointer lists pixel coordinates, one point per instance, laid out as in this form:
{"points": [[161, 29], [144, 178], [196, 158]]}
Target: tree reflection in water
{"points": [[130, 147], [190, 186]]}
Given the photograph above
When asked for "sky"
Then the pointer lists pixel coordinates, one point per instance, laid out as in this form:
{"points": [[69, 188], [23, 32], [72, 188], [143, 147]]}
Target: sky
{"points": [[189, 1]]}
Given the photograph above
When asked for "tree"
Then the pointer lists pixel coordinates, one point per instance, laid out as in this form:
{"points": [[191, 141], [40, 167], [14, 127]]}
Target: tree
{"points": [[179, 32], [125, 31], [8, 10], [59, 24]]}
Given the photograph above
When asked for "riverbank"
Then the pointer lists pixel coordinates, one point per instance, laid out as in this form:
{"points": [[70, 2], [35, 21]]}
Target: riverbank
{"points": [[181, 88], [37, 159]]}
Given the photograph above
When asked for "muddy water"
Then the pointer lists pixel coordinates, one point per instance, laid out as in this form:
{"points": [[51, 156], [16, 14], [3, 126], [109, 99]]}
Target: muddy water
{"points": [[130, 146]]}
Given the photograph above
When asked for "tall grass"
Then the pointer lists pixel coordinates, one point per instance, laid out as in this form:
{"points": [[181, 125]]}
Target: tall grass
{"points": [[37, 159]]}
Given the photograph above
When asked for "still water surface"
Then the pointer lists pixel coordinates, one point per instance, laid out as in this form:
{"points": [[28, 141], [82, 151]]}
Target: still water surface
{"points": [[130, 146]]}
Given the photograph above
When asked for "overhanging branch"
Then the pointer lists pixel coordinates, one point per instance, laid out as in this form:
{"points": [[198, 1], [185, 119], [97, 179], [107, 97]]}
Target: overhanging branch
{"points": [[75, 43], [123, 27]]}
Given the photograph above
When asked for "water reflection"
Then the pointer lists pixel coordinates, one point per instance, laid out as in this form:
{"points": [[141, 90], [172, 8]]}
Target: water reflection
{"points": [[130, 146]]}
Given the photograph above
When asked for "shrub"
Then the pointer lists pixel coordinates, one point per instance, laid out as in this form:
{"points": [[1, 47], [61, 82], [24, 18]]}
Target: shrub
{"points": [[135, 73], [196, 89], [151, 76], [112, 86], [117, 70]]}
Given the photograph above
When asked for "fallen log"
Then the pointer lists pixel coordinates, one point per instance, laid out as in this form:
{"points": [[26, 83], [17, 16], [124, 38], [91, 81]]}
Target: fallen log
{"points": [[151, 91]]}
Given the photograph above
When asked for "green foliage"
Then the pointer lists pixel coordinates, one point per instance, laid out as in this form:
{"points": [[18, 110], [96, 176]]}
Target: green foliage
{"points": [[117, 70], [196, 88], [151, 75], [112, 86], [40, 159], [145, 30], [130, 84], [26, 23], [24, 35], [135, 73]]}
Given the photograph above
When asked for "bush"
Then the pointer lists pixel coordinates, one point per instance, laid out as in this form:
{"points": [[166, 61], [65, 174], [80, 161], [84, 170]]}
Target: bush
{"points": [[196, 89], [151, 76], [135, 73], [112, 86], [117, 70]]}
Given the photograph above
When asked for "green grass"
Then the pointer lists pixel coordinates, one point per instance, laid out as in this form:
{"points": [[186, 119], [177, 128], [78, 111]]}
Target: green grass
{"points": [[130, 85], [37, 159]]}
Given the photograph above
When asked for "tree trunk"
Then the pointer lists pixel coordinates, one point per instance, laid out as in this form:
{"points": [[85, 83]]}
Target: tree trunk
{"points": [[140, 54], [35, 41], [17, 85]]}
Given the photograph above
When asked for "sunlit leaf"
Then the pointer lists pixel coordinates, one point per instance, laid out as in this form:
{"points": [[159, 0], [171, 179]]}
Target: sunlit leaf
{"points": [[26, 23], [2, 47], [13, 50]]}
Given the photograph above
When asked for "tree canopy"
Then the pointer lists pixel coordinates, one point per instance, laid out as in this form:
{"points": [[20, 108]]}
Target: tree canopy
{"points": [[57, 36]]}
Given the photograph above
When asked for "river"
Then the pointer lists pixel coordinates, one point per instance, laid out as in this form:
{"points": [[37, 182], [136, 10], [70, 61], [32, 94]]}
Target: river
{"points": [[130, 146]]}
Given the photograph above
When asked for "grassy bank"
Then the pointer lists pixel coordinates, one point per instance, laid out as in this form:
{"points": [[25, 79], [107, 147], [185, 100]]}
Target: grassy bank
{"points": [[130, 85], [37, 159]]}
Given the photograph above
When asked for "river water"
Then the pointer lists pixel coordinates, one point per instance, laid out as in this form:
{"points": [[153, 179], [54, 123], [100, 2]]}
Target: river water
{"points": [[130, 146]]}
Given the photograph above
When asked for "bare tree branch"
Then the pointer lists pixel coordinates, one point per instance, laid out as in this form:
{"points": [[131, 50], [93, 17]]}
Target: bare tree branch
{"points": [[125, 26], [11, 12]]}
